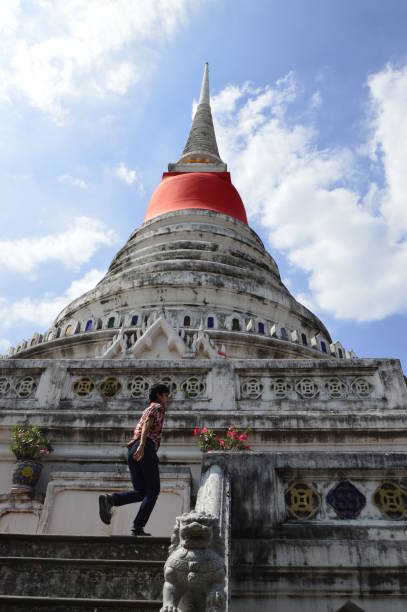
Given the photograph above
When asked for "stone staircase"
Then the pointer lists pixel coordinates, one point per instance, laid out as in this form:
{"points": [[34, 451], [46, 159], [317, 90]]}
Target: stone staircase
{"points": [[76, 573]]}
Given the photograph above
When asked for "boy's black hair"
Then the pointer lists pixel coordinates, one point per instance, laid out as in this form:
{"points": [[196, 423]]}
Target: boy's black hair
{"points": [[160, 388]]}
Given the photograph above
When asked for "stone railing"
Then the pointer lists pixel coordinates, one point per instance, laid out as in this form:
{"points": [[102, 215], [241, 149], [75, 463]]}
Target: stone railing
{"points": [[132, 326], [313, 530], [209, 384], [197, 569]]}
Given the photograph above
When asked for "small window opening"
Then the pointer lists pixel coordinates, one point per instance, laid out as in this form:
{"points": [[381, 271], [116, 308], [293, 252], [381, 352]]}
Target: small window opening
{"points": [[283, 333], [340, 353], [304, 339], [134, 319], [99, 324], [110, 322], [211, 323], [261, 328], [68, 330], [187, 321], [235, 325], [32, 342], [88, 325], [323, 346]]}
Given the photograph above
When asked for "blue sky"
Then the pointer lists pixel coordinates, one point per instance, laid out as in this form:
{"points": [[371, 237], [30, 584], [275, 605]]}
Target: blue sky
{"points": [[309, 101]]}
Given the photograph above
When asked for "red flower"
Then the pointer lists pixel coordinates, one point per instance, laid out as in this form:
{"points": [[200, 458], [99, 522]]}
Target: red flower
{"points": [[243, 437], [205, 430], [247, 447], [197, 431], [235, 437], [222, 442]]}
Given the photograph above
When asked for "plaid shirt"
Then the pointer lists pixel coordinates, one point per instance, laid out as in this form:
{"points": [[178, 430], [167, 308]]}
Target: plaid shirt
{"points": [[157, 411]]}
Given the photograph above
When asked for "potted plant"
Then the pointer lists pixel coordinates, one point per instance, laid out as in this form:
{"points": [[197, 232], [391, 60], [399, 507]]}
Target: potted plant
{"points": [[233, 440], [30, 445]]}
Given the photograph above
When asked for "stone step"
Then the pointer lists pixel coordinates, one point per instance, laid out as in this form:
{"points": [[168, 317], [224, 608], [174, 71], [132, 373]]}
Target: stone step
{"points": [[12, 603], [81, 578], [81, 547]]}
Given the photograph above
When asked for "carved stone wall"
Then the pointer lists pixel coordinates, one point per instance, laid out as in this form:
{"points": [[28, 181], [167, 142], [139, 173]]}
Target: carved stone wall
{"points": [[90, 407], [317, 531]]}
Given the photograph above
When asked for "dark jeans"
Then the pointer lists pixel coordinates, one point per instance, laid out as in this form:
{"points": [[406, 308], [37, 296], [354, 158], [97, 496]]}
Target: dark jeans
{"points": [[145, 478]]}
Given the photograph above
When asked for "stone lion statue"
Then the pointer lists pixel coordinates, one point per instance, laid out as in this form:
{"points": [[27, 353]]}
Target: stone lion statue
{"points": [[195, 571]]}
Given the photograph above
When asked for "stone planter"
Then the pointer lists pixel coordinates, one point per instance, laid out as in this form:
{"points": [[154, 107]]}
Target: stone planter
{"points": [[26, 476]]}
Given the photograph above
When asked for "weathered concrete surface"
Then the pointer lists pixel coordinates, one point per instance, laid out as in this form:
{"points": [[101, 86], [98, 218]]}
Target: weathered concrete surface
{"points": [[89, 432], [78, 547], [259, 481], [193, 263], [56, 604], [283, 563], [82, 578], [333, 602], [78, 573]]}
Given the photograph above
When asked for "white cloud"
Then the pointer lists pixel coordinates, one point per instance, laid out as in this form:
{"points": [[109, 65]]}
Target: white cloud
{"points": [[76, 182], [352, 244], [389, 101], [130, 177], [42, 312], [9, 16], [73, 247], [56, 52], [316, 100]]}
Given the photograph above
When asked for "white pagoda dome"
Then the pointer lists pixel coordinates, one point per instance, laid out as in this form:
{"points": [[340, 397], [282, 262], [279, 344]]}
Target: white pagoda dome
{"points": [[196, 264]]}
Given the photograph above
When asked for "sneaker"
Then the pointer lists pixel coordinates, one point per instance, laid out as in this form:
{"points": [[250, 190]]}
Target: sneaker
{"points": [[105, 509], [139, 531]]}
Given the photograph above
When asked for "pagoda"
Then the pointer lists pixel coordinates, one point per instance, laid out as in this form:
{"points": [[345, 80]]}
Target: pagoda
{"points": [[314, 517]]}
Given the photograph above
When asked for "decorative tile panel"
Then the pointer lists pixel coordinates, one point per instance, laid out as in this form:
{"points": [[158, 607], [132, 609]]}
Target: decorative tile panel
{"points": [[319, 387], [361, 388], [193, 387], [302, 500], [252, 388], [280, 387], [138, 387], [336, 388], [4, 385], [391, 500], [25, 386], [307, 388], [347, 501], [83, 386], [135, 387], [110, 387]]}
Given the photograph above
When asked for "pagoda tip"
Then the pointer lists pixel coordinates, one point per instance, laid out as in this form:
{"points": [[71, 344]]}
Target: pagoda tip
{"points": [[204, 97], [201, 152]]}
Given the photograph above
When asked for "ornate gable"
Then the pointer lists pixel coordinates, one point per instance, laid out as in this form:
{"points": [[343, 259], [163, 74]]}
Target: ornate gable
{"points": [[160, 341]]}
